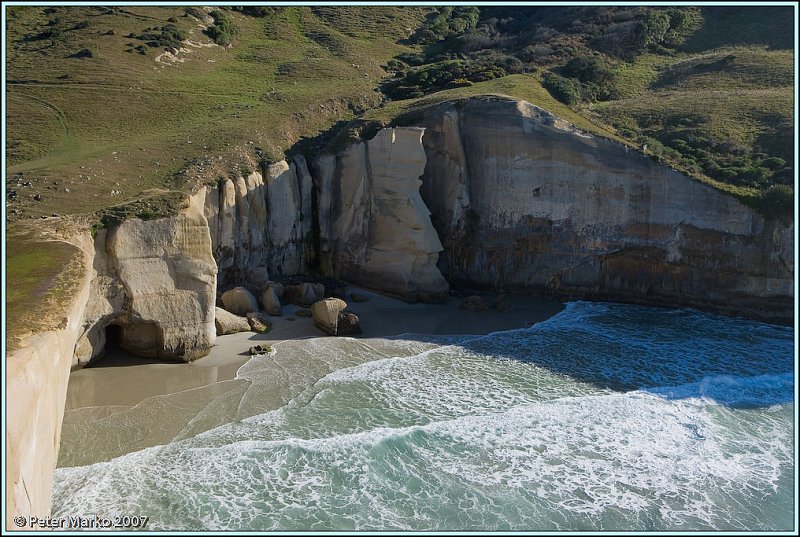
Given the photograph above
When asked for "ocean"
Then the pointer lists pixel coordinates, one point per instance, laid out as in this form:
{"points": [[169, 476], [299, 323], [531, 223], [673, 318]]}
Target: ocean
{"points": [[604, 417]]}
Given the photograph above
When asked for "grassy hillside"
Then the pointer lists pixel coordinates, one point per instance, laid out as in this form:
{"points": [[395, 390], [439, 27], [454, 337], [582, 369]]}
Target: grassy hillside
{"points": [[122, 120]]}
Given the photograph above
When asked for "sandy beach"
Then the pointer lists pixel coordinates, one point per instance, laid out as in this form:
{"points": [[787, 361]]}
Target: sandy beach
{"points": [[107, 404], [126, 380]]}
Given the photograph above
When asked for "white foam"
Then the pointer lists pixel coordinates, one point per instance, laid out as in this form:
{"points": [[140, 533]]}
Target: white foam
{"points": [[420, 436]]}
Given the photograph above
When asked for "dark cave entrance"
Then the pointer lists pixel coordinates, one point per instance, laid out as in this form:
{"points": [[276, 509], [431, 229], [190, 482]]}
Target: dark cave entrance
{"points": [[113, 337]]}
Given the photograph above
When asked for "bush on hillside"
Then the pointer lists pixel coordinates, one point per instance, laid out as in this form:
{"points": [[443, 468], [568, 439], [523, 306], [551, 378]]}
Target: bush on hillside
{"points": [[566, 90], [777, 201], [223, 30], [257, 11], [436, 77], [165, 36]]}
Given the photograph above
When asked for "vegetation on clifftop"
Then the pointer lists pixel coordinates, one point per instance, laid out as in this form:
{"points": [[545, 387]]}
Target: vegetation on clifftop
{"points": [[708, 91]]}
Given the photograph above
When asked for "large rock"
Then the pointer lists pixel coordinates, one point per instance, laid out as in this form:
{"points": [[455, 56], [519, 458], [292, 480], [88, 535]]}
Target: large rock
{"points": [[304, 294], [473, 303], [270, 302], [524, 201], [348, 324], [155, 284], [239, 301], [228, 323], [259, 322], [325, 314]]}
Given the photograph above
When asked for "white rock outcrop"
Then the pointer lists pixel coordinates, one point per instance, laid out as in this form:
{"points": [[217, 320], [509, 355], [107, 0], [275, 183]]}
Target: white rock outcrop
{"points": [[154, 282], [374, 192]]}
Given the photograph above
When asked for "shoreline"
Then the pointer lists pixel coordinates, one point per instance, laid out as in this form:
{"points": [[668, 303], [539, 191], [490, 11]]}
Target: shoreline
{"points": [[110, 406], [126, 380]]}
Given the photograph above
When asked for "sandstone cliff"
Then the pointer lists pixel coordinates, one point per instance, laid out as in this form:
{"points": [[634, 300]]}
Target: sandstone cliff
{"points": [[36, 388], [153, 289], [524, 202], [377, 226]]}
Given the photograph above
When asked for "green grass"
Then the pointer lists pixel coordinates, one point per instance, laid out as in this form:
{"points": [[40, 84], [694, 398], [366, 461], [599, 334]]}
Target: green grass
{"points": [[120, 121], [525, 87], [41, 280]]}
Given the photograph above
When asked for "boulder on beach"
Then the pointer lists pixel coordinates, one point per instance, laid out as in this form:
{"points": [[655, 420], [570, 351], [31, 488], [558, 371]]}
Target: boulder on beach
{"points": [[270, 302], [258, 322], [325, 314], [348, 324], [239, 301], [304, 294], [228, 323], [473, 303], [502, 302], [357, 297]]}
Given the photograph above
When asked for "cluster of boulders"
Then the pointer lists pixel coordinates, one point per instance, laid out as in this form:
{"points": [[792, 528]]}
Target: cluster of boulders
{"points": [[238, 309]]}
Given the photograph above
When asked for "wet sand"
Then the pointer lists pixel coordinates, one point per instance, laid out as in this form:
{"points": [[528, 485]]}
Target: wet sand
{"points": [[125, 404], [126, 380]]}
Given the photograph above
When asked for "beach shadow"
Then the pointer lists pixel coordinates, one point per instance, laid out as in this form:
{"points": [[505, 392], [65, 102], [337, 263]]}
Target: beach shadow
{"points": [[673, 354]]}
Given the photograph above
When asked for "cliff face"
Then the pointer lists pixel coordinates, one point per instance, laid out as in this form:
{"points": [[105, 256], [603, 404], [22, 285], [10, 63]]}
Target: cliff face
{"points": [[36, 388], [524, 202], [153, 289], [377, 228]]}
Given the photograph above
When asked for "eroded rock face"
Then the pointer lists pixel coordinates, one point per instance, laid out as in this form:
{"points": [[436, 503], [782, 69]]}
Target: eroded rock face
{"points": [[153, 288], [36, 387], [374, 192], [524, 202]]}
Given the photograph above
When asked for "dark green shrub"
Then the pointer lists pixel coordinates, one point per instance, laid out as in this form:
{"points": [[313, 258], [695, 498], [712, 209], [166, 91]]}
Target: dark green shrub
{"points": [[165, 36], [566, 90], [773, 163], [257, 11], [438, 76], [777, 201], [223, 30], [652, 30], [588, 69]]}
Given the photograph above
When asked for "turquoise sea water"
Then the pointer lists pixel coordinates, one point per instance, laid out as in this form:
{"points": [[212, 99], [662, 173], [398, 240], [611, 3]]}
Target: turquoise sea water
{"points": [[605, 417]]}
